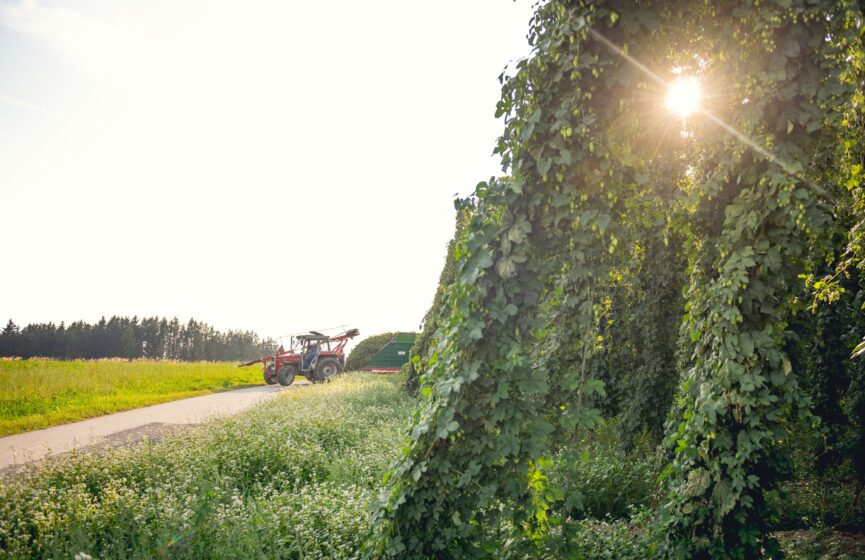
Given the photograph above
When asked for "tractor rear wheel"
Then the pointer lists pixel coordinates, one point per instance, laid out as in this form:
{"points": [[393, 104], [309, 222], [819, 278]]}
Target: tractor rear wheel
{"points": [[268, 375], [286, 374], [326, 369]]}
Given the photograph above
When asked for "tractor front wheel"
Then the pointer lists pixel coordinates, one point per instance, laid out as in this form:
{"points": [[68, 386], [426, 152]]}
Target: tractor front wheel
{"points": [[268, 375], [326, 369], [286, 374]]}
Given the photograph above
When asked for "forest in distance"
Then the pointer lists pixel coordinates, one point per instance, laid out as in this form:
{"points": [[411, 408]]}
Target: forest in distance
{"points": [[155, 338]]}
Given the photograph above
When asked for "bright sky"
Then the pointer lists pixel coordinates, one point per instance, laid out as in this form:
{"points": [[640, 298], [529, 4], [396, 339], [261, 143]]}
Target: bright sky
{"points": [[272, 166]]}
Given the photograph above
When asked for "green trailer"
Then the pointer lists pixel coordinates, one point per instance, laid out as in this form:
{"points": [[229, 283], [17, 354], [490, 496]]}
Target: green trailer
{"points": [[394, 354]]}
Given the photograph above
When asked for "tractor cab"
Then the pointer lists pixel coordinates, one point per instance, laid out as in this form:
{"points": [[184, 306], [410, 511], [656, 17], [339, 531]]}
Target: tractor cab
{"points": [[309, 347]]}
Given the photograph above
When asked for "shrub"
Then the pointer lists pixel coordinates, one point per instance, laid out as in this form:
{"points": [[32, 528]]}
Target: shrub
{"points": [[602, 481]]}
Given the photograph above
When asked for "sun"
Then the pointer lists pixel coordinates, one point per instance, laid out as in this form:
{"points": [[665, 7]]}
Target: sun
{"points": [[683, 96]]}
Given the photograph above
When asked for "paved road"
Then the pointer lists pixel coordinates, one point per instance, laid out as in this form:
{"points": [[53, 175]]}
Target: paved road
{"points": [[32, 446]]}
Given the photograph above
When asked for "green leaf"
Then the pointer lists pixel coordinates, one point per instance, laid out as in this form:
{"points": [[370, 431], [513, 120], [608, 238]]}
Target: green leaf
{"points": [[594, 387], [533, 384], [859, 350], [485, 260], [544, 165], [506, 268], [602, 221], [565, 156]]}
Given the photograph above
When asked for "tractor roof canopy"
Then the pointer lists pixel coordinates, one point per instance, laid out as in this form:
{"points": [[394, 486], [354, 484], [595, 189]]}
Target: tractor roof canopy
{"points": [[317, 336], [311, 337]]}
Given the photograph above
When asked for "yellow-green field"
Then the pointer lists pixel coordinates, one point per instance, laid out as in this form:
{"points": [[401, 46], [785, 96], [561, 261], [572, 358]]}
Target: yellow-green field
{"points": [[40, 393]]}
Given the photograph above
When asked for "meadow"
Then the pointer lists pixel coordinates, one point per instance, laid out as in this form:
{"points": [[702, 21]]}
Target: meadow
{"points": [[291, 478], [40, 393], [298, 477]]}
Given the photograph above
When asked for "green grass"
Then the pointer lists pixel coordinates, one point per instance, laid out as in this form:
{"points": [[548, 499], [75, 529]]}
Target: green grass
{"points": [[40, 393], [291, 478]]}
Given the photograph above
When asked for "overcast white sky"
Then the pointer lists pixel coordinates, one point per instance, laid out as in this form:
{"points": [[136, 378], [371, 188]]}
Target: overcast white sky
{"points": [[272, 166]]}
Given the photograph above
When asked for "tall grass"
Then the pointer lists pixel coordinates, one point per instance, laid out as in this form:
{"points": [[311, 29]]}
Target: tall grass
{"points": [[291, 478], [39, 393]]}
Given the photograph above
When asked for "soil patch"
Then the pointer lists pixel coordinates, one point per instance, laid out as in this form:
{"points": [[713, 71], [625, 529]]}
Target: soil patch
{"points": [[825, 545]]}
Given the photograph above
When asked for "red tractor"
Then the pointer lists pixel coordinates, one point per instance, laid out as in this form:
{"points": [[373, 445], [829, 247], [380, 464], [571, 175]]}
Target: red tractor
{"points": [[316, 356]]}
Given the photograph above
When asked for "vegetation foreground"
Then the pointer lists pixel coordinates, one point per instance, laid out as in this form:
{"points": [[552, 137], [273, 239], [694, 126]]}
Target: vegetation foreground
{"points": [[291, 478], [40, 393], [297, 477], [686, 268]]}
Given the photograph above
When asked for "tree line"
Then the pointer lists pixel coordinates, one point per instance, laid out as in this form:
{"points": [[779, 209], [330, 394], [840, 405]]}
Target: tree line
{"points": [[156, 338]]}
